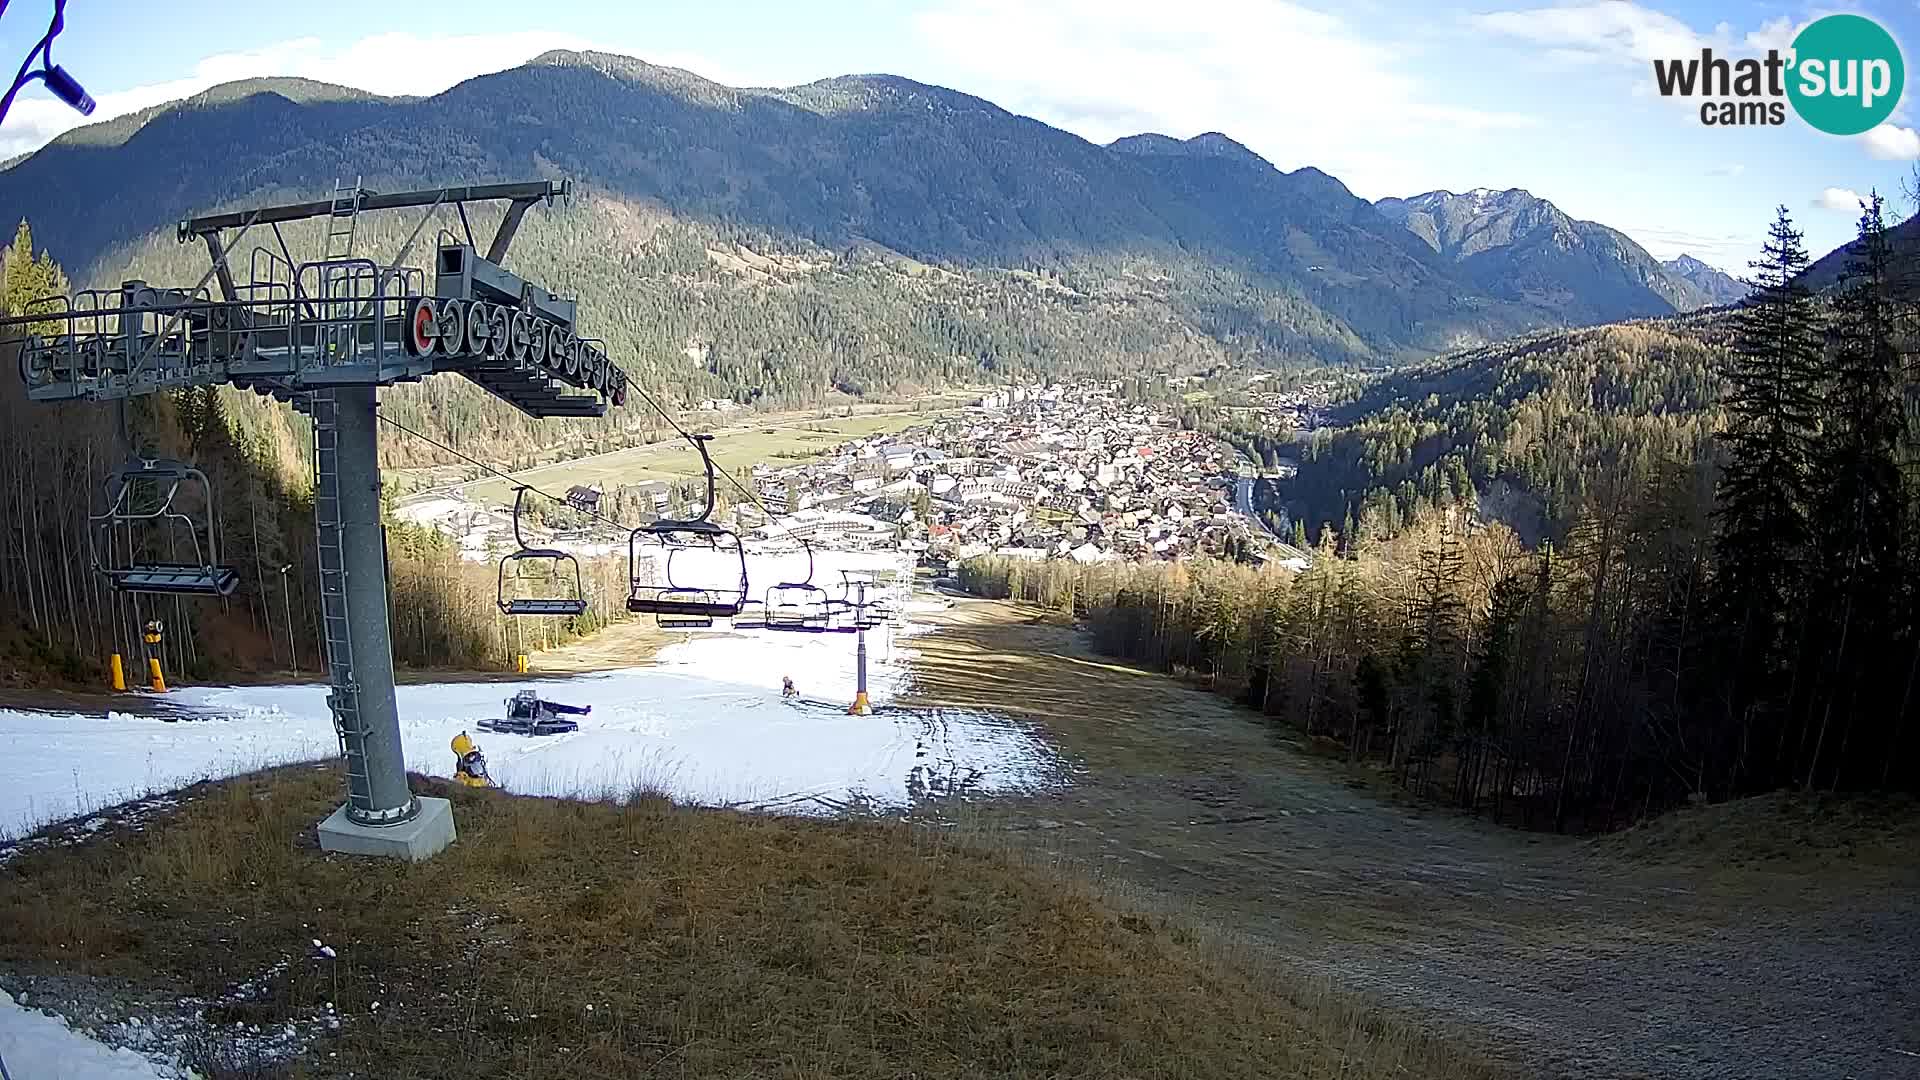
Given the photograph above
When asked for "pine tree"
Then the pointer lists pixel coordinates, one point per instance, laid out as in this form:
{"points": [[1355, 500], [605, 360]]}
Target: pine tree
{"points": [[1487, 684], [24, 279], [1433, 651], [1858, 511], [1764, 492]]}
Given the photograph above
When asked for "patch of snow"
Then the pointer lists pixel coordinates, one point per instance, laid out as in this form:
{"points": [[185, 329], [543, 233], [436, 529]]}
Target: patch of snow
{"points": [[40, 1046], [430, 511], [705, 724]]}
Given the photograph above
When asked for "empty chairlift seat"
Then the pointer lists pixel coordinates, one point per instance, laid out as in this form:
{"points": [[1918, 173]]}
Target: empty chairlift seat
{"points": [[542, 605], [675, 603], [796, 607], [694, 597], [153, 538], [517, 579], [801, 606], [176, 580]]}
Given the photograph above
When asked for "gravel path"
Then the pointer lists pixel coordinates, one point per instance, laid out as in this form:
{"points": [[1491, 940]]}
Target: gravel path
{"points": [[1557, 953]]}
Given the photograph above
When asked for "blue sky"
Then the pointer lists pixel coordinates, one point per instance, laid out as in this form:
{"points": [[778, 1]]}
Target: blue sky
{"points": [[1394, 97]]}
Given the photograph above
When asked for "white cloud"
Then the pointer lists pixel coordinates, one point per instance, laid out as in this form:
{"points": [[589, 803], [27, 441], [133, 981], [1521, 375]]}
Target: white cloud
{"points": [[1614, 30], [393, 63], [1777, 34], [1343, 99], [1722, 250], [1890, 142], [1838, 198]]}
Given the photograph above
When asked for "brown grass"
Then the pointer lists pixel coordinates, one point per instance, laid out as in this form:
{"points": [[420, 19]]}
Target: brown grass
{"points": [[571, 939], [628, 643], [1806, 832], [1020, 659]]}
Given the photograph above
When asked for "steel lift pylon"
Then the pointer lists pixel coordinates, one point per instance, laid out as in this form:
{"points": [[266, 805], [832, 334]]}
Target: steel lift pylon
{"points": [[326, 335]]}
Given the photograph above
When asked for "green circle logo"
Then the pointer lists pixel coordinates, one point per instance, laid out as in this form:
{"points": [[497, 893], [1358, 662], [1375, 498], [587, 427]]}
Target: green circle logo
{"points": [[1847, 74]]}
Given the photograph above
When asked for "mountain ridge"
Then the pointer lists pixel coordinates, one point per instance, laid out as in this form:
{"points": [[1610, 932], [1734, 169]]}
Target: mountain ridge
{"points": [[1273, 264], [1522, 247], [1210, 144], [1716, 284]]}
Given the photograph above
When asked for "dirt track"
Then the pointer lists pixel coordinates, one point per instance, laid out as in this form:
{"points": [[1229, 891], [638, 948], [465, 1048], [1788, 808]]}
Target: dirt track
{"points": [[1561, 954]]}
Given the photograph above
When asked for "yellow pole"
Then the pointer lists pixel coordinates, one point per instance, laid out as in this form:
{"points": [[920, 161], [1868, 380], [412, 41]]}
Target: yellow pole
{"points": [[158, 680], [520, 663], [860, 706], [119, 673]]}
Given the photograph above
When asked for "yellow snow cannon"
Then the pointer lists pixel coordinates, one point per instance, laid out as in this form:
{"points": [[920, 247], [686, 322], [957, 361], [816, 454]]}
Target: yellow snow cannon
{"points": [[469, 766]]}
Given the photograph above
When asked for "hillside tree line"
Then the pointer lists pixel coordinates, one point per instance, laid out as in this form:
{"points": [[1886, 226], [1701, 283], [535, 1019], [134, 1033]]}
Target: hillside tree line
{"points": [[1723, 601]]}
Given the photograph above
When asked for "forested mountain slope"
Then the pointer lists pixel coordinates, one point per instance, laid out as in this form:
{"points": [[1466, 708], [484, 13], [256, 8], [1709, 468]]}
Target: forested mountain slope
{"points": [[1278, 266], [1524, 428], [1827, 271], [698, 311]]}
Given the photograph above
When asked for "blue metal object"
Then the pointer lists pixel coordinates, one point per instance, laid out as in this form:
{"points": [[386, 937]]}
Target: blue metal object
{"points": [[63, 85]]}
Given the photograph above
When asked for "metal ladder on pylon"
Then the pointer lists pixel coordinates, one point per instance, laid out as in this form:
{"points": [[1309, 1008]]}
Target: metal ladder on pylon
{"points": [[336, 285], [342, 220], [344, 699]]}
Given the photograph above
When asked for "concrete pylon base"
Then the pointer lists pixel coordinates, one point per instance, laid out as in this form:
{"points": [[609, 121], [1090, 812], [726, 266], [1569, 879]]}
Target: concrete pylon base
{"points": [[423, 836]]}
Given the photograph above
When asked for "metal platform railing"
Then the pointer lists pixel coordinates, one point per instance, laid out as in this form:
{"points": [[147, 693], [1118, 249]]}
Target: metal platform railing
{"points": [[102, 351]]}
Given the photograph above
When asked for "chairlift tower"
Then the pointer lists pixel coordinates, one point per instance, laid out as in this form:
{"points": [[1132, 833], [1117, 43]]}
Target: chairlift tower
{"points": [[325, 335], [861, 706]]}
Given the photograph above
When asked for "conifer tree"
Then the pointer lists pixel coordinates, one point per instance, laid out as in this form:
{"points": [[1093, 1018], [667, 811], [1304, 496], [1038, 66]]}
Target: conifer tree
{"points": [[1858, 513], [25, 279], [1764, 492]]}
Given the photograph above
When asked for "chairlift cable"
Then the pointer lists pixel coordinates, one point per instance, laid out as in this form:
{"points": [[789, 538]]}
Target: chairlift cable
{"points": [[518, 484], [744, 489], [653, 404]]}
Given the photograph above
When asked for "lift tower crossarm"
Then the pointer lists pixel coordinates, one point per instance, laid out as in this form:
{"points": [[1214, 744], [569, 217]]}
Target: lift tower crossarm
{"points": [[521, 195]]}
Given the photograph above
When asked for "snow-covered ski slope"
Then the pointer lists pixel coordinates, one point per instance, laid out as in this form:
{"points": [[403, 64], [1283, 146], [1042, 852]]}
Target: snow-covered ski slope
{"points": [[40, 1046], [706, 723]]}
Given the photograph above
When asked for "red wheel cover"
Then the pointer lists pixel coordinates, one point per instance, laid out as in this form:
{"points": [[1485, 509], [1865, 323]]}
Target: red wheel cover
{"points": [[423, 330]]}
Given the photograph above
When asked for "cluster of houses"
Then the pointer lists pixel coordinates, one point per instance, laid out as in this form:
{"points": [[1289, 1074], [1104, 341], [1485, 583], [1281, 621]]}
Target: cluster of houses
{"points": [[1299, 408], [1072, 472], [1042, 472]]}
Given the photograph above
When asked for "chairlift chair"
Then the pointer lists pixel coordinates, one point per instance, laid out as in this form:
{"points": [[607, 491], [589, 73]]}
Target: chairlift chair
{"points": [[686, 607], [861, 616], [511, 604], [125, 510], [869, 616], [674, 604], [800, 606]]}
